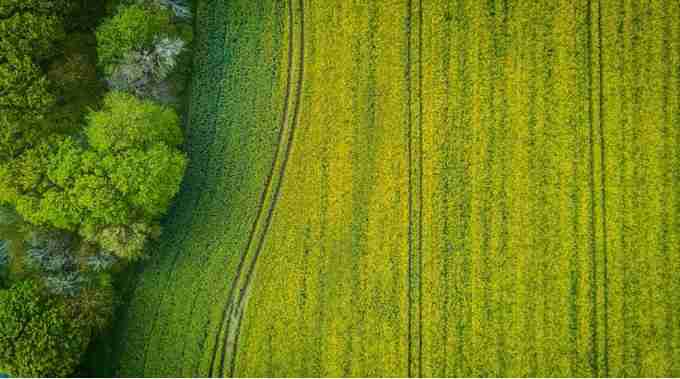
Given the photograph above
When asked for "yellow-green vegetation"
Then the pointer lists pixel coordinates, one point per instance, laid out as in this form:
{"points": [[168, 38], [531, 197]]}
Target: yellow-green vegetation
{"points": [[412, 188], [337, 249], [551, 184]]}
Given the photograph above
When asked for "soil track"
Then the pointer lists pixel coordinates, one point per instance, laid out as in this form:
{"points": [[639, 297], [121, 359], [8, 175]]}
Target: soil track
{"points": [[415, 201], [235, 307]]}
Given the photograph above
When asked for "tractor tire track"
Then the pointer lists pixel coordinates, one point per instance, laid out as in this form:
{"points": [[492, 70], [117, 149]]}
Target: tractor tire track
{"points": [[603, 192], [420, 187], [233, 312], [594, 354], [233, 332], [260, 200], [415, 180]]}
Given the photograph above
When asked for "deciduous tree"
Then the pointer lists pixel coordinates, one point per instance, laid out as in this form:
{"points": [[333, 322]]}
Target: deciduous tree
{"points": [[40, 335], [110, 188]]}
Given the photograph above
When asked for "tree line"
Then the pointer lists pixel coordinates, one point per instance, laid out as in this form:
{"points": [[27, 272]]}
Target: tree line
{"points": [[90, 160]]}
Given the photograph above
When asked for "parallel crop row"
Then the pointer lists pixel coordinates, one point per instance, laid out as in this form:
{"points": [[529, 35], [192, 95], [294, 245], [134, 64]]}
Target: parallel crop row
{"points": [[551, 180]]}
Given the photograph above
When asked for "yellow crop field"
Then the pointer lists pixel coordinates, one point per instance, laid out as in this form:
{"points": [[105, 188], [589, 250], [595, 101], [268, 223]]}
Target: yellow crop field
{"points": [[422, 188]]}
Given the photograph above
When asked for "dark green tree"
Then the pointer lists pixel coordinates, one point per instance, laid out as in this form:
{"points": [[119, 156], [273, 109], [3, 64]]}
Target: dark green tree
{"points": [[31, 27], [24, 89], [40, 335]]}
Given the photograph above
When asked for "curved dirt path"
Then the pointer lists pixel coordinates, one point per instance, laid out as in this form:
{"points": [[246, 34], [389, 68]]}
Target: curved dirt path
{"points": [[233, 312]]}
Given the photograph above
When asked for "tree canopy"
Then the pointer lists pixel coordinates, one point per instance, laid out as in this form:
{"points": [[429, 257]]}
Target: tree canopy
{"points": [[134, 27], [23, 89], [85, 176], [122, 176], [125, 122], [39, 334], [31, 27]]}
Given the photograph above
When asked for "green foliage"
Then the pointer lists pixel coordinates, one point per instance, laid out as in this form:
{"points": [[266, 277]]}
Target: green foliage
{"points": [[126, 122], [31, 27], [16, 135], [133, 28], [75, 83], [109, 184], [95, 304], [9, 7], [112, 188], [40, 335], [8, 216], [147, 178], [31, 35], [74, 73], [99, 198], [26, 173], [75, 189], [23, 89], [127, 241]]}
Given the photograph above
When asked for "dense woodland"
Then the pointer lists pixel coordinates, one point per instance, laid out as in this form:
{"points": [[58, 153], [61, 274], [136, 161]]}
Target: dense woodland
{"points": [[91, 102]]}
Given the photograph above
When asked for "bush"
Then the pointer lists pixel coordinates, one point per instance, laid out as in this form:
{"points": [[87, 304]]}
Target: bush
{"points": [[133, 28]]}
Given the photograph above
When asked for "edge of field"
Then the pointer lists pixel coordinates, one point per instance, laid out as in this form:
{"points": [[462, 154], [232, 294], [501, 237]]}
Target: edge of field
{"points": [[207, 226]]}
